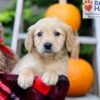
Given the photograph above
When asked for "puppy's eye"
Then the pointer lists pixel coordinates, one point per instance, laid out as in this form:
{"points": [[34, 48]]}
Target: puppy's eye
{"points": [[57, 33], [39, 34]]}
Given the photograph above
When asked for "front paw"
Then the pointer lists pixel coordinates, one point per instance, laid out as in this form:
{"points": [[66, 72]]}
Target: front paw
{"points": [[50, 78], [25, 81]]}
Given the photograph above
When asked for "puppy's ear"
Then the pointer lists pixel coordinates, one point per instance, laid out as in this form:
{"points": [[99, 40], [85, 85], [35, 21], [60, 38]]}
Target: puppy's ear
{"points": [[72, 42], [70, 36], [70, 39], [29, 39]]}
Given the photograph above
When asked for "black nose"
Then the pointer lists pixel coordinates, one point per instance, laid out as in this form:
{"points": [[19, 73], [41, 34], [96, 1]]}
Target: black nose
{"points": [[47, 45]]}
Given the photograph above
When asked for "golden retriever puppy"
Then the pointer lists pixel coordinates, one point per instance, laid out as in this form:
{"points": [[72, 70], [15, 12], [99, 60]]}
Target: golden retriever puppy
{"points": [[48, 42]]}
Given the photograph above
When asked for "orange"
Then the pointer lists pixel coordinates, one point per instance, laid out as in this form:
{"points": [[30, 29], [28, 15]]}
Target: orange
{"points": [[66, 12], [81, 77]]}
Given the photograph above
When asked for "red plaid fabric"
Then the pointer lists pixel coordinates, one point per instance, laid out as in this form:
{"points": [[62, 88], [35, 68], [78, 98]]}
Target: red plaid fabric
{"points": [[2, 96], [7, 58], [9, 90]]}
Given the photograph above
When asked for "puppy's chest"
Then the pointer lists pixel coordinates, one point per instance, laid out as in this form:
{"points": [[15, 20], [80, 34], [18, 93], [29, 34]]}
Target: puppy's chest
{"points": [[43, 66]]}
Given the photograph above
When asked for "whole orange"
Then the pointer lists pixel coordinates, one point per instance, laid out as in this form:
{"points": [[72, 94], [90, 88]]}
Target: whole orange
{"points": [[68, 13], [81, 77]]}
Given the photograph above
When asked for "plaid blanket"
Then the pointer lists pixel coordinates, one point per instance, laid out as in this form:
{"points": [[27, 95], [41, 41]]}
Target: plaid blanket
{"points": [[7, 58], [9, 90]]}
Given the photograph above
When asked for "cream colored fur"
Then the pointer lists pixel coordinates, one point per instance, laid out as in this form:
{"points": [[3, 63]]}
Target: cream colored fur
{"points": [[38, 62]]}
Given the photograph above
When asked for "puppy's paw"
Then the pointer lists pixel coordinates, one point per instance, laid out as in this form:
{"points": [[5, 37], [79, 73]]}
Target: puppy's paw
{"points": [[50, 78], [25, 81]]}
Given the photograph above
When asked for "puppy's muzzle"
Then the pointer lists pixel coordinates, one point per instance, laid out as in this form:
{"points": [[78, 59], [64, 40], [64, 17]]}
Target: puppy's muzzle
{"points": [[48, 46]]}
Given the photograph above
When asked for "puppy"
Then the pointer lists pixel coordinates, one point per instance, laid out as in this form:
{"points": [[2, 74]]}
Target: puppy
{"points": [[48, 42]]}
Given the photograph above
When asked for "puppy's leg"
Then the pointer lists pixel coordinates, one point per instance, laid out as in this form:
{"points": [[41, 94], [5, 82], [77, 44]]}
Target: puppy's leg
{"points": [[26, 78], [50, 77]]}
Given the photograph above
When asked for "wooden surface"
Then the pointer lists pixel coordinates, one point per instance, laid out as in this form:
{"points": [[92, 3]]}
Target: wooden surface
{"points": [[17, 24], [88, 97], [97, 30]]}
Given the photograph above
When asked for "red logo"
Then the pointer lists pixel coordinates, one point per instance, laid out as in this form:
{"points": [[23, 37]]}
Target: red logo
{"points": [[87, 5]]}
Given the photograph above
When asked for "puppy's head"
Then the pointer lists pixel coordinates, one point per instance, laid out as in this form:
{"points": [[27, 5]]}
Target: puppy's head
{"points": [[49, 35]]}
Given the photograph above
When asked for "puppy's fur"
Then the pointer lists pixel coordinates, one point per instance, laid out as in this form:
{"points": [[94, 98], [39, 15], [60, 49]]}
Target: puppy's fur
{"points": [[45, 63]]}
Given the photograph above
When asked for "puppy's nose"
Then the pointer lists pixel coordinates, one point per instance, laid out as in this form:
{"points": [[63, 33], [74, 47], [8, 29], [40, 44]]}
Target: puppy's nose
{"points": [[47, 45]]}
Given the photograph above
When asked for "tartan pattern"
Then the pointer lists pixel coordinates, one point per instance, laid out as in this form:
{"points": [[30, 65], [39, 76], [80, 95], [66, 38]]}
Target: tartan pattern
{"points": [[9, 90], [7, 58]]}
